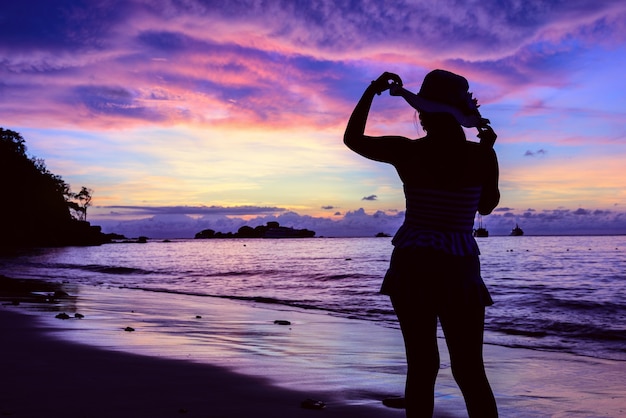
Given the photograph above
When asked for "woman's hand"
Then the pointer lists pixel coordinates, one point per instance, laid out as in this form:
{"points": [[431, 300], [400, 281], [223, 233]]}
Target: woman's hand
{"points": [[355, 131], [487, 136], [396, 89], [385, 82]]}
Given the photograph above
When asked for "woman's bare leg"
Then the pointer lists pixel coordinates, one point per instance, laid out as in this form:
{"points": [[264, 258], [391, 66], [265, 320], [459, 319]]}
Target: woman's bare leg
{"points": [[419, 329], [464, 337]]}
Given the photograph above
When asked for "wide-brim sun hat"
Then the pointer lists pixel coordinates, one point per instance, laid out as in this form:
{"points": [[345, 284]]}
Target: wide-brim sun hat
{"points": [[445, 92]]}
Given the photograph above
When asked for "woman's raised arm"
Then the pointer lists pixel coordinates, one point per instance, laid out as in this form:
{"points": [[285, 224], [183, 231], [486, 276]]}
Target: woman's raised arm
{"points": [[355, 130]]}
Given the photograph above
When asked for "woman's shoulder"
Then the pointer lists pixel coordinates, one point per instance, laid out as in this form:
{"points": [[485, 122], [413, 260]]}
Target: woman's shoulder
{"points": [[478, 148]]}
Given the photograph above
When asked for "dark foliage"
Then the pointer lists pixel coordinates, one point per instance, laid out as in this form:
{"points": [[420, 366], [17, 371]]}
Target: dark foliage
{"points": [[35, 208]]}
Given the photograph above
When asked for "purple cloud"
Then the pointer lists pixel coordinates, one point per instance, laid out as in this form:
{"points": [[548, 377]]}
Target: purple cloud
{"points": [[258, 48], [530, 153], [190, 210], [360, 223]]}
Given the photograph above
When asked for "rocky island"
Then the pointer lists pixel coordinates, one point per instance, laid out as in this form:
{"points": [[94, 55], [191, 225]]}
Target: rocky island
{"points": [[270, 230]]}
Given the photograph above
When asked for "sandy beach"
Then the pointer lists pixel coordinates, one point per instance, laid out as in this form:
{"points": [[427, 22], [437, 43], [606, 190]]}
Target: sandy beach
{"points": [[251, 367], [46, 377]]}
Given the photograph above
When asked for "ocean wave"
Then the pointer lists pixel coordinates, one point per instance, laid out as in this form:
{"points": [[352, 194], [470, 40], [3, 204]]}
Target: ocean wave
{"points": [[590, 305], [257, 299], [236, 273], [573, 304], [104, 269]]}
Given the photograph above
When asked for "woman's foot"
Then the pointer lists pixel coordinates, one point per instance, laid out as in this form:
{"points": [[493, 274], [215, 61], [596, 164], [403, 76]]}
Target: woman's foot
{"points": [[397, 403]]}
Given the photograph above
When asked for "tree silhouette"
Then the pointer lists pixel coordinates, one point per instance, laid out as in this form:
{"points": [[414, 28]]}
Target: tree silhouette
{"points": [[12, 142], [36, 204], [84, 201]]}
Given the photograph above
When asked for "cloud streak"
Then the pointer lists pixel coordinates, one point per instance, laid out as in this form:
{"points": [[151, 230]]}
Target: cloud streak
{"points": [[118, 210]]}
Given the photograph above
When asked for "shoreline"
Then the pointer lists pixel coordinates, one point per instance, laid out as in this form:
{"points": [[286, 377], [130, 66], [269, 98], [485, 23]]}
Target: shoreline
{"points": [[46, 376], [235, 362]]}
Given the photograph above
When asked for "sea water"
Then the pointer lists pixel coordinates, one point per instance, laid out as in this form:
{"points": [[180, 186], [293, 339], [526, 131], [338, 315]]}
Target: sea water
{"points": [[561, 293]]}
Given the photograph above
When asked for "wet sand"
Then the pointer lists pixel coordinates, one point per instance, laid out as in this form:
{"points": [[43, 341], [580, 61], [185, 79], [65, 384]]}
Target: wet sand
{"points": [[43, 376], [241, 364]]}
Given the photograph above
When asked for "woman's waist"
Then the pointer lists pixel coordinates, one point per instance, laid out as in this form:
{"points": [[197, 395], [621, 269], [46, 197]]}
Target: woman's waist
{"points": [[452, 242], [446, 210], [444, 221]]}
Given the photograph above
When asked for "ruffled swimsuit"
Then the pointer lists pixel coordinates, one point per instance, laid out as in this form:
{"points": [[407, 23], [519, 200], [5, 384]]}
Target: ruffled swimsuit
{"points": [[435, 251]]}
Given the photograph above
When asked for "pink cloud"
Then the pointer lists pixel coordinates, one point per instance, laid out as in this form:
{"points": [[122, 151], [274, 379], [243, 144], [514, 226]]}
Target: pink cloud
{"points": [[274, 64]]}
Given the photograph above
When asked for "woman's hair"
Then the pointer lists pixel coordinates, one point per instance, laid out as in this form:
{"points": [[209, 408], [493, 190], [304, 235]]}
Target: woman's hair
{"points": [[441, 123]]}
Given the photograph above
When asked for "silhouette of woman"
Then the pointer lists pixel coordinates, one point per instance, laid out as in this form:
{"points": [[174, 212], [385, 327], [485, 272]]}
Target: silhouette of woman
{"points": [[434, 273]]}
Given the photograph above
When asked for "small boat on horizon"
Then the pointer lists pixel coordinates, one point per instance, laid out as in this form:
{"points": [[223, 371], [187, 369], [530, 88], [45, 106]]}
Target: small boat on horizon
{"points": [[517, 231], [481, 231]]}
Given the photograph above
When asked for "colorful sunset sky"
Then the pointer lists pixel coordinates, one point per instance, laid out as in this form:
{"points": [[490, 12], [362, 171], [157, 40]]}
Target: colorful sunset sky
{"points": [[182, 115]]}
